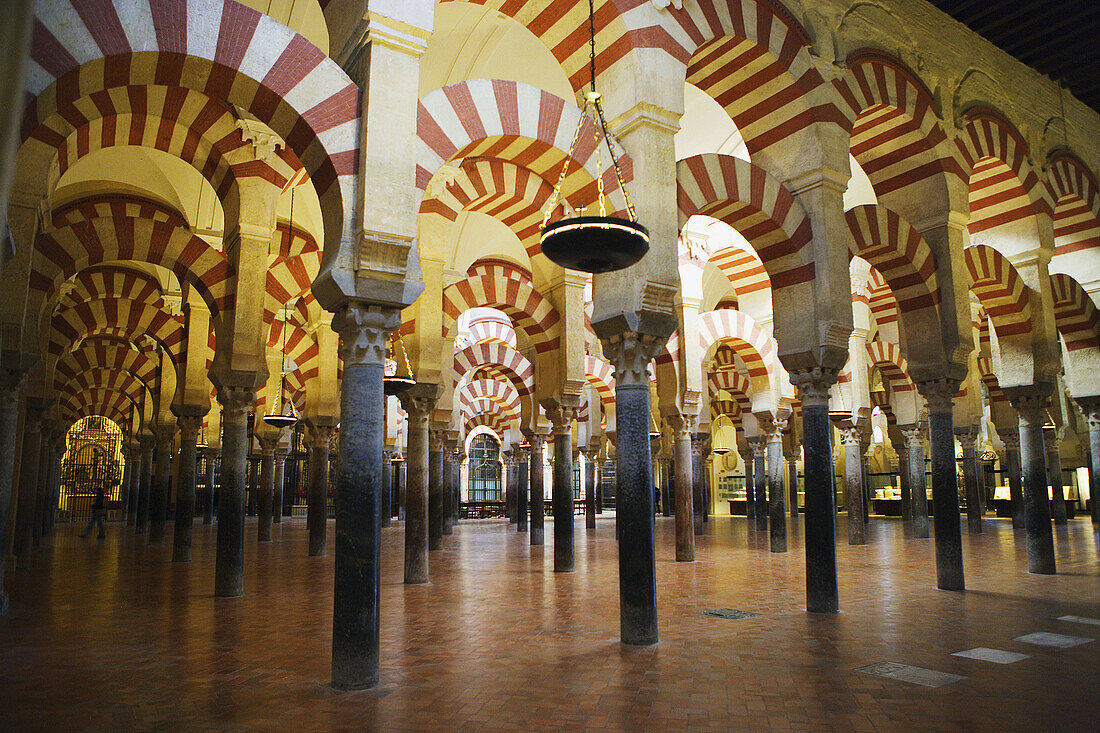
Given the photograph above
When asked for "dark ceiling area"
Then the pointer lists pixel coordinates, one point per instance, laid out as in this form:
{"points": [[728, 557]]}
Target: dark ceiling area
{"points": [[1059, 38]]}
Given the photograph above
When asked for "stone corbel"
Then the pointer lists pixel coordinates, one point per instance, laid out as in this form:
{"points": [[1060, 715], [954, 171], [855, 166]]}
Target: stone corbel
{"points": [[265, 143]]}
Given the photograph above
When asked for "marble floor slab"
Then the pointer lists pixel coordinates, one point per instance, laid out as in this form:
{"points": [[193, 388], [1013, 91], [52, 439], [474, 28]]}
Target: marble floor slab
{"points": [[1053, 641], [997, 656]]}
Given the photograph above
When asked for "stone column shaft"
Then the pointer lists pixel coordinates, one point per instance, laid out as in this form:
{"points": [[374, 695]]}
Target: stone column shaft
{"points": [[280, 480], [970, 478], [385, 513], [28, 480], [590, 493], [750, 487], [229, 563], [435, 493], [853, 486], [945, 486], [158, 494], [11, 386], [185, 488], [1054, 471], [684, 490], [698, 482], [266, 492], [141, 524], [792, 467], [820, 519], [448, 492], [905, 483], [537, 500], [760, 484], [777, 515], [917, 484], [1040, 537], [523, 475], [1092, 414], [208, 499], [417, 409], [562, 496], [317, 490]]}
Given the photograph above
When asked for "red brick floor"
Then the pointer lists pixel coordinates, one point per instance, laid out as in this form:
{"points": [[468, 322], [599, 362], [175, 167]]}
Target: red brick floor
{"points": [[113, 636]]}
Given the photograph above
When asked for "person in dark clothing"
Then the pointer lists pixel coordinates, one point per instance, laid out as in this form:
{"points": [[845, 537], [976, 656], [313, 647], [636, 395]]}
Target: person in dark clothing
{"points": [[99, 511]]}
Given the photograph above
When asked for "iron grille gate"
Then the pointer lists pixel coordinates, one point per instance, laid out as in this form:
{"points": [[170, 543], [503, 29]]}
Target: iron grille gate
{"points": [[484, 469]]}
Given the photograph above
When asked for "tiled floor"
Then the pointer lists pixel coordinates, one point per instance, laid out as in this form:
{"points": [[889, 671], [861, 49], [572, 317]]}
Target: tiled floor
{"points": [[113, 636]]}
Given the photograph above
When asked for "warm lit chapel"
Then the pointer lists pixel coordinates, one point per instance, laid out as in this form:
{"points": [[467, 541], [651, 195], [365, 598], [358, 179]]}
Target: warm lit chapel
{"points": [[490, 365]]}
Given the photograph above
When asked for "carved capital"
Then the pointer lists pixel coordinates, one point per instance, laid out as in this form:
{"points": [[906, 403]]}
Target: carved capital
{"points": [[264, 141], [364, 331], [562, 418], [851, 436], [1011, 439], [774, 429], [146, 442], [268, 443], [437, 440], [630, 354], [939, 394], [914, 437], [12, 383], [759, 446], [418, 408], [814, 385], [236, 402], [1030, 406], [189, 426], [318, 435]]}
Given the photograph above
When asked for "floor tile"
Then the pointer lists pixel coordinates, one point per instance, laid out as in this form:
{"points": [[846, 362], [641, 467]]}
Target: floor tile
{"points": [[909, 673], [1081, 620], [1054, 641], [997, 656]]}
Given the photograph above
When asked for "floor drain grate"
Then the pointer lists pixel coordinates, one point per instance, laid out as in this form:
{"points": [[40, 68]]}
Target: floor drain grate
{"points": [[729, 613]]}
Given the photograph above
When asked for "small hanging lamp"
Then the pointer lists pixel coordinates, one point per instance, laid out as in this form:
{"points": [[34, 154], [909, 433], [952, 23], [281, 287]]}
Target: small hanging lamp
{"points": [[593, 243], [288, 416], [398, 378]]}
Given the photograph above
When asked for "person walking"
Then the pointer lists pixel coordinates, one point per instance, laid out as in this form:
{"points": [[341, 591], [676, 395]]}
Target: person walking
{"points": [[99, 511]]}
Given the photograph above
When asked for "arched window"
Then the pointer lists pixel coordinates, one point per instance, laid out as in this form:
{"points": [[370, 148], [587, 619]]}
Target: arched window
{"points": [[484, 468]]}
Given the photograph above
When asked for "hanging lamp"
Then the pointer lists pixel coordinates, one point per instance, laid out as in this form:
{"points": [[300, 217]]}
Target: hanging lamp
{"points": [[288, 415], [395, 382], [593, 243]]}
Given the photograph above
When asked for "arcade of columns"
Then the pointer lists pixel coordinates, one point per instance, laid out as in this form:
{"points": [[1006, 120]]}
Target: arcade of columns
{"points": [[860, 216]]}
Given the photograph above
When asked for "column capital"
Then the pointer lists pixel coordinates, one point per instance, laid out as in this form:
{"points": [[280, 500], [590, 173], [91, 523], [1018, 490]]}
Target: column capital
{"points": [[1090, 408], [759, 446], [189, 426], [318, 435], [814, 385], [1010, 438], [630, 354], [419, 402], [268, 443], [914, 436], [163, 432], [939, 393], [562, 417], [851, 436], [12, 384], [774, 428], [236, 402], [210, 453], [683, 426], [280, 457], [364, 330], [437, 439], [1029, 404], [146, 442]]}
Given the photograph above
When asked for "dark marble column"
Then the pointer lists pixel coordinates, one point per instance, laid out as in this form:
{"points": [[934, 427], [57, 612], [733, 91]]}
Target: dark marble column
{"points": [[914, 442], [750, 487], [385, 513], [146, 443], [523, 476], [208, 500], [853, 485], [698, 483], [589, 489], [667, 481], [969, 440], [1010, 465], [792, 469], [45, 488], [1040, 536], [1091, 408], [683, 487], [400, 475], [189, 425], [236, 403], [33, 416], [355, 602], [280, 480], [777, 515], [53, 480], [537, 501], [939, 395], [630, 355], [266, 485], [165, 433], [456, 484], [448, 483], [1053, 444], [128, 498], [599, 484], [820, 510], [11, 389], [318, 437], [562, 417], [904, 482], [418, 404], [510, 485], [435, 489], [760, 483]]}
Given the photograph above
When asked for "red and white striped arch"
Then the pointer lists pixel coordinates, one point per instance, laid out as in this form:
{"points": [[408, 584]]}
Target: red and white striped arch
{"points": [[888, 358], [757, 349], [111, 205], [103, 355], [514, 365], [501, 285], [493, 329], [220, 48], [107, 379], [494, 390], [884, 307], [601, 376], [1075, 315], [1076, 194], [1000, 289], [111, 404], [743, 269], [1003, 188], [752, 57], [896, 134], [898, 252], [513, 195], [116, 316], [112, 281], [733, 382], [61, 253], [744, 196], [494, 421], [515, 122]]}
